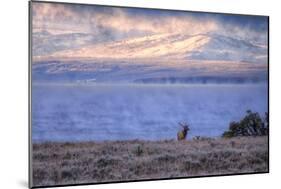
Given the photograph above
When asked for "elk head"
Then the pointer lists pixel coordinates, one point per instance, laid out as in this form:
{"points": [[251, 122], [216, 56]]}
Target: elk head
{"points": [[185, 126]]}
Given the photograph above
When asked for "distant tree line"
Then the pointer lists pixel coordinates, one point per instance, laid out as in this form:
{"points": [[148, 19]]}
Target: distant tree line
{"points": [[251, 125], [202, 80]]}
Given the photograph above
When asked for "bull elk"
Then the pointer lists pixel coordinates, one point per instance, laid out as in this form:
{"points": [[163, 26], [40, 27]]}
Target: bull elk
{"points": [[183, 132]]}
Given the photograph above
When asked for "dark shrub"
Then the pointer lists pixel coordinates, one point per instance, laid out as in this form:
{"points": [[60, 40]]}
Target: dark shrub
{"points": [[251, 125]]}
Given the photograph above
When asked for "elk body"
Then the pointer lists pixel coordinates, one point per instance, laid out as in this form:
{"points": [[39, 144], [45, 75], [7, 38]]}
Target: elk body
{"points": [[183, 132]]}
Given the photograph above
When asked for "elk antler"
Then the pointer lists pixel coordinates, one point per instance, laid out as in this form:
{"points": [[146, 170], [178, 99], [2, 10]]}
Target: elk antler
{"points": [[183, 124]]}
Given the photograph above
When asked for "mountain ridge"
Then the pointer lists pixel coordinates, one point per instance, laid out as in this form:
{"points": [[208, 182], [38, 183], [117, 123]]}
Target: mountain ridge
{"points": [[169, 46]]}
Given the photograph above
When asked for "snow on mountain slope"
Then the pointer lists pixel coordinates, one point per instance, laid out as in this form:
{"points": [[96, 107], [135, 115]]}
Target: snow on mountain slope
{"points": [[176, 46], [145, 47], [228, 48]]}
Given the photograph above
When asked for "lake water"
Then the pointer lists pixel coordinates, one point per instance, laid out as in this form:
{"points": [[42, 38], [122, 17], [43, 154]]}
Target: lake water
{"points": [[149, 112]]}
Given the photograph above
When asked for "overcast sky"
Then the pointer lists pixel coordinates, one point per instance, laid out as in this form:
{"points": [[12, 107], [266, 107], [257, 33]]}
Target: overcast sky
{"points": [[71, 18]]}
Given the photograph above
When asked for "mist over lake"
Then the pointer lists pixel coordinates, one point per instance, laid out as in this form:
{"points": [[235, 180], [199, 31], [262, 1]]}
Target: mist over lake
{"points": [[99, 112]]}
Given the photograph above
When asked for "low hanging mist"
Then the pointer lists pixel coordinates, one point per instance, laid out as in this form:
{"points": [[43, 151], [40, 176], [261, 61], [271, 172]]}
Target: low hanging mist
{"points": [[101, 112]]}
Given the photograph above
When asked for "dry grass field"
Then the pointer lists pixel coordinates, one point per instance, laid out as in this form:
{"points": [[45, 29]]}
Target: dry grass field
{"points": [[92, 162]]}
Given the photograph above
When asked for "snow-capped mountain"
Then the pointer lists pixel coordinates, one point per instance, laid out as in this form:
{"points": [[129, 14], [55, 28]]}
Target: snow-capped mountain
{"points": [[154, 58], [168, 46]]}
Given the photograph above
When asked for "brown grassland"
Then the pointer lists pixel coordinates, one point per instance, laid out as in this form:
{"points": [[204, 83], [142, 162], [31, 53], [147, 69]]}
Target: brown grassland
{"points": [[57, 163]]}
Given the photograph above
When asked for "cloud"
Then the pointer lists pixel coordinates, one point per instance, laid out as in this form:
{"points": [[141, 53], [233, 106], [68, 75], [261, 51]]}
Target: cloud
{"points": [[123, 22], [75, 18], [56, 18]]}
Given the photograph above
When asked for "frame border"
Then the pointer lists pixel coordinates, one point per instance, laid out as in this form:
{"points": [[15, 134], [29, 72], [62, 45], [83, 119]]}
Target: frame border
{"points": [[30, 151]]}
